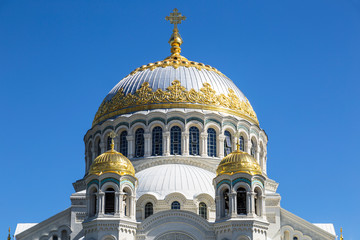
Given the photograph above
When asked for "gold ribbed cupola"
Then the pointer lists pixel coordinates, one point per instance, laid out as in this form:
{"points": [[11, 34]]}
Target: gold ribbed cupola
{"points": [[112, 162], [238, 162]]}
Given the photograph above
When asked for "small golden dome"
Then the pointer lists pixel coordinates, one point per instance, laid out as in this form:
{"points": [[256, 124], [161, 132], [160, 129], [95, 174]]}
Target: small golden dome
{"points": [[238, 162], [112, 162]]}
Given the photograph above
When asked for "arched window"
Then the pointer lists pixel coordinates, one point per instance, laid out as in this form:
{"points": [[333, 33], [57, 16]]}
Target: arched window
{"points": [[98, 147], [227, 143], [149, 210], [211, 142], [175, 205], [175, 137], [55, 237], [157, 141], [110, 201], [257, 202], [108, 143], [194, 141], [64, 235], [253, 148], [295, 238], [242, 143], [93, 203], [241, 200], [123, 147], [126, 202], [139, 143], [225, 205], [203, 210]]}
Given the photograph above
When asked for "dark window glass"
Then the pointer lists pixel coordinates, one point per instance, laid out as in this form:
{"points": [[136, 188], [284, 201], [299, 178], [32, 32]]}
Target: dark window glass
{"points": [[64, 235], [55, 237], [98, 148], [175, 137], [194, 141], [108, 143], [123, 147], [157, 141], [149, 209], [139, 143], [226, 202], [93, 203], [110, 201], [253, 148], [295, 238], [227, 143], [203, 210], [242, 143], [211, 142], [175, 205], [241, 201]]}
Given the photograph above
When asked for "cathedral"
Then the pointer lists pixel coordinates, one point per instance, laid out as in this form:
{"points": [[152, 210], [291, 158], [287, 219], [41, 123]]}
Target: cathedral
{"points": [[175, 152]]}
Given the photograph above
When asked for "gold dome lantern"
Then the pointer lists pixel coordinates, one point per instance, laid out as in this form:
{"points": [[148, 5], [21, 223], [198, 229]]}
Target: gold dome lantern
{"points": [[112, 162], [238, 162]]}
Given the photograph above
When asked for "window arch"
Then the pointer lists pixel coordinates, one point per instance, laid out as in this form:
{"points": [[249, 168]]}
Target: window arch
{"points": [[242, 143], [241, 200], [110, 201], [108, 143], [211, 142], [93, 203], [194, 141], [123, 146], [203, 210], [157, 138], [175, 137], [64, 235], [227, 143], [139, 143], [175, 205], [149, 209], [253, 148]]}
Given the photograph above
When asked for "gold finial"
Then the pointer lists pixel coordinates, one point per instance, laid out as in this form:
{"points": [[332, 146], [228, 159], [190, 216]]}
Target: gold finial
{"points": [[112, 135], [9, 237], [175, 39], [341, 235], [238, 145]]}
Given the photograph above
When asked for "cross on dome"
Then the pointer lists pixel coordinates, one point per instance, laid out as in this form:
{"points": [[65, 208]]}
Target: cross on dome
{"points": [[112, 135], [175, 18]]}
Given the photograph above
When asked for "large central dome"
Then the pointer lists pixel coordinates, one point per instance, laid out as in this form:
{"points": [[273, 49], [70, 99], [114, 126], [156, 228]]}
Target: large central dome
{"points": [[175, 83]]}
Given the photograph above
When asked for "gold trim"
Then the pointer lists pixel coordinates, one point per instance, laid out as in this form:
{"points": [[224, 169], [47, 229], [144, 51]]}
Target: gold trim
{"points": [[175, 96]]}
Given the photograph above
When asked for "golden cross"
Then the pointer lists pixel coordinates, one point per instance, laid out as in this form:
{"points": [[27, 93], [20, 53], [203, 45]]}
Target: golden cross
{"points": [[175, 18], [112, 135]]}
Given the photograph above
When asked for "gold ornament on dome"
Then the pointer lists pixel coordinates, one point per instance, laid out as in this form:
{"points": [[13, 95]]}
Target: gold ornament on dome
{"points": [[112, 162], [238, 162], [175, 96]]}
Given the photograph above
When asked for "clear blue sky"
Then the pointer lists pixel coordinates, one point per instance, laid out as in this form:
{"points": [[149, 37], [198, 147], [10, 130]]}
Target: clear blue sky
{"points": [[298, 62]]}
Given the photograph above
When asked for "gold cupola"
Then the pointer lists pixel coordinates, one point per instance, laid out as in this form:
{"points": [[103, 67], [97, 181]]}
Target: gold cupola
{"points": [[238, 162], [112, 162]]}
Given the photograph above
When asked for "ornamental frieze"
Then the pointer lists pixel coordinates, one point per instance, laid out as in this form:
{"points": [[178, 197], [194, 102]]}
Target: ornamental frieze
{"points": [[145, 98]]}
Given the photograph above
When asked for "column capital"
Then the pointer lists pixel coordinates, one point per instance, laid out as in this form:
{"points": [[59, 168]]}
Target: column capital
{"points": [[147, 135]]}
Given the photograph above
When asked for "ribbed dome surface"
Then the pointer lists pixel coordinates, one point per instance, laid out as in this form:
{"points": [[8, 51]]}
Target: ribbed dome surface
{"points": [[189, 77], [169, 178]]}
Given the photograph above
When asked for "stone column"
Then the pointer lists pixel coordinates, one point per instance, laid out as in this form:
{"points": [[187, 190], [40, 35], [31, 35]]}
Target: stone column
{"points": [[131, 147], [117, 203], [185, 143], [147, 142], [88, 207], [218, 207], [133, 207], [252, 203], [103, 147], [101, 197], [257, 154], [232, 203], [248, 202], [248, 146], [121, 204], [221, 147], [262, 210], [234, 140], [203, 145], [166, 143]]}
